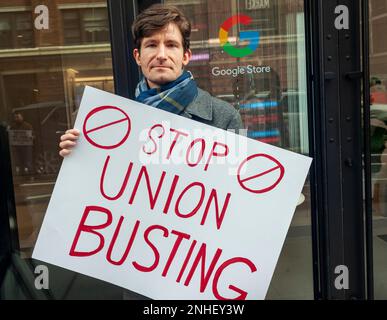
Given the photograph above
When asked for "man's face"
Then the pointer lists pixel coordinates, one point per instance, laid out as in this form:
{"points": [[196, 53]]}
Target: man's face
{"points": [[18, 118], [162, 57]]}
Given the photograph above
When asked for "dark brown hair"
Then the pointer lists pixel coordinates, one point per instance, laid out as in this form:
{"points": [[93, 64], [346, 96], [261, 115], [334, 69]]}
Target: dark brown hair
{"points": [[157, 17]]}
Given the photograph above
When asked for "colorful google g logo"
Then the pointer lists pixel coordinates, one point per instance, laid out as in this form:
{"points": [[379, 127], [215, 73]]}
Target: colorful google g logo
{"points": [[251, 36]]}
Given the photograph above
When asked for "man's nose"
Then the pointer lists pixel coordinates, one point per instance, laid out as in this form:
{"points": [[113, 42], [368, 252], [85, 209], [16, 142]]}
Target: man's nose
{"points": [[161, 53]]}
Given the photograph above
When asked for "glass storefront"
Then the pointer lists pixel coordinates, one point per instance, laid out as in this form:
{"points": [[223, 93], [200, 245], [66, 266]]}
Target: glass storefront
{"points": [[47, 55], [378, 83], [50, 52], [268, 87]]}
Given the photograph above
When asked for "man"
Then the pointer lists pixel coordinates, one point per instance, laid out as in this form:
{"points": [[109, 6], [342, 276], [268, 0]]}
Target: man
{"points": [[162, 40]]}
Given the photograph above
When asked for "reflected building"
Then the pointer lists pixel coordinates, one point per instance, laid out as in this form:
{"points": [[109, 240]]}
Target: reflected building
{"points": [[42, 75], [42, 71]]}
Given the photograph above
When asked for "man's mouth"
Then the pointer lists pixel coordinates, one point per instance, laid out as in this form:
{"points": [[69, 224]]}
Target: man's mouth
{"points": [[163, 67]]}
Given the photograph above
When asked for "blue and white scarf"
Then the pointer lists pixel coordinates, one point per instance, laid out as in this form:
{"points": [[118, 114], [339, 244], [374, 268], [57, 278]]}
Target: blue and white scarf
{"points": [[173, 97]]}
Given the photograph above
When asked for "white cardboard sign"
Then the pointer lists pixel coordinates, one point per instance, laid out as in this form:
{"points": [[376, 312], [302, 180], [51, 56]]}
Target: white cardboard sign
{"points": [[168, 207]]}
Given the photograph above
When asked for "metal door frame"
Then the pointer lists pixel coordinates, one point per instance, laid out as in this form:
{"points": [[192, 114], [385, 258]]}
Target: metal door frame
{"points": [[341, 220]]}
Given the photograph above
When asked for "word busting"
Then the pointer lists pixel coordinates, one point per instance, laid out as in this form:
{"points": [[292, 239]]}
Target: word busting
{"points": [[207, 266]]}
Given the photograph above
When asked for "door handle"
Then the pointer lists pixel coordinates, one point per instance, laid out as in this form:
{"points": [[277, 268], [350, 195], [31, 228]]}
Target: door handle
{"points": [[329, 75], [354, 75]]}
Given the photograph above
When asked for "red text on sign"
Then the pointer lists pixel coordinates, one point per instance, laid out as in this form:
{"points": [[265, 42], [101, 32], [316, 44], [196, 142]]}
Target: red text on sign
{"points": [[216, 149], [210, 268]]}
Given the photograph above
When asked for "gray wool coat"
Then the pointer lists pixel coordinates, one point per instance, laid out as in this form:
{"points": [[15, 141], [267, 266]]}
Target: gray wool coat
{"points": [[214, 112]]}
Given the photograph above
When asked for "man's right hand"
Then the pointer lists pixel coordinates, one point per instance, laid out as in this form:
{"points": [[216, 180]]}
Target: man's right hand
{"points": [[68, 141]]}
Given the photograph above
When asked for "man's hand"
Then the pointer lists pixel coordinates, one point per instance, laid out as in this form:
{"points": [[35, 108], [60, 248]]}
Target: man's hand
{"points": [[68, 141]]}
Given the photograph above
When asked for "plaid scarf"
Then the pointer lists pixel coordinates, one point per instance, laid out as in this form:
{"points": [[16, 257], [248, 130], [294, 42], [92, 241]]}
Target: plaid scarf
{"points": [[173, 97]]}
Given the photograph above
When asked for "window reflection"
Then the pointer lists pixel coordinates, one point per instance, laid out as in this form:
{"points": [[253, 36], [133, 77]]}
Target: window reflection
{"points": [[42, 76], [16, 30], [378, 83], [85, 26]]}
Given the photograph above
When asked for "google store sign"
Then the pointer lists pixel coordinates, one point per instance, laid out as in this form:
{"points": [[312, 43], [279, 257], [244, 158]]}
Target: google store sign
{"points": [[239, 70], [252, 38]]}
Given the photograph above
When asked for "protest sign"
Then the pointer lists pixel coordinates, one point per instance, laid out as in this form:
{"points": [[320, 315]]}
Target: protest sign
{"points": [[20, 137], [168, 207]]}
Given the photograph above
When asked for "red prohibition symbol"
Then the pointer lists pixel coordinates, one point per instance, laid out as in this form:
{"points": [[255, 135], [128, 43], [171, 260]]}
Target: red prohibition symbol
{"points": [[94, 134], [255, 181]]}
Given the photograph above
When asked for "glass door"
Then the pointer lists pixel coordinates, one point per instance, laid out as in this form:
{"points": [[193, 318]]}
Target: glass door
{"points": [[378, 123], [263, 75]]}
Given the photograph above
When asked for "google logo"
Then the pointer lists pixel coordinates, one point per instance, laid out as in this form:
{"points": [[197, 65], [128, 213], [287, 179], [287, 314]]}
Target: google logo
{"points": [[251, 36]]}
